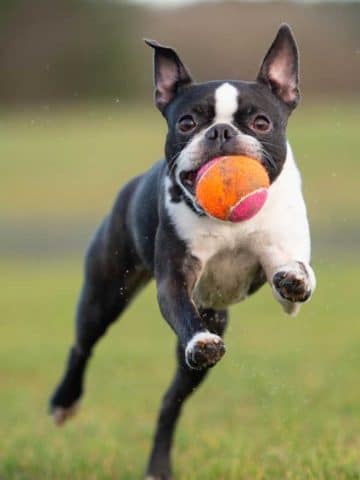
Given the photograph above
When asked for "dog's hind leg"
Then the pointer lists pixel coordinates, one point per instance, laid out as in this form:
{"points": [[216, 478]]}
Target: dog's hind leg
{"points": [[102, 300], [113, 275], [185, 381]]}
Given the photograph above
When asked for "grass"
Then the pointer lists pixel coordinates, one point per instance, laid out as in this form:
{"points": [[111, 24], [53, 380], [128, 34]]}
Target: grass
{"points": [[284, 403], [69, 164]]}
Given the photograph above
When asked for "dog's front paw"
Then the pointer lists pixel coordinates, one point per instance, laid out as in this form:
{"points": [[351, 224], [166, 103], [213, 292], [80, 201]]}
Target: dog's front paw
{"points": [[294, 283], [204, 350]]}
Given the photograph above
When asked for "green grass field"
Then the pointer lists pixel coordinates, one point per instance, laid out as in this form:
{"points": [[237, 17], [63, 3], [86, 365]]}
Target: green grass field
{"points": [[284, 403], [68, 164]]}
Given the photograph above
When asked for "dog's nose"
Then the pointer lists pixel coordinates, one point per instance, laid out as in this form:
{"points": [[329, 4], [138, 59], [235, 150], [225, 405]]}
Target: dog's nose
{"points": [[220, 133]]}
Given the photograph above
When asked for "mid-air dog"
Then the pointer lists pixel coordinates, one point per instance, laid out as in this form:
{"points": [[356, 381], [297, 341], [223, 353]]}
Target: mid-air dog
{"points": [[201, 265]]}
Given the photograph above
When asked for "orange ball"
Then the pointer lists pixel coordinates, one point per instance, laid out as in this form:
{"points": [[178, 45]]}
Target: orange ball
{"points": [[232, 188]]}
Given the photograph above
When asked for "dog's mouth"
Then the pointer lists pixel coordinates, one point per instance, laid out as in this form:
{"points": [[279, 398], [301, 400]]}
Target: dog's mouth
{"points": [[188, 180]]}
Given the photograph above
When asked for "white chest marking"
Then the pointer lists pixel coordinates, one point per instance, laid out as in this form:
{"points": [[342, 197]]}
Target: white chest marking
{"points": [[231, 252], [225, 279], [226, 103]]}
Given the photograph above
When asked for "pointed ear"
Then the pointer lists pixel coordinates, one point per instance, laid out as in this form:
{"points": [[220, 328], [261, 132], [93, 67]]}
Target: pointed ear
{"points": [[169, 74], [280, 68]]}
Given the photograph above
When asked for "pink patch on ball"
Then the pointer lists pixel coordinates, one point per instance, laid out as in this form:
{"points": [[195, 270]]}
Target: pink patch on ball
{"points": [[248, 206]]}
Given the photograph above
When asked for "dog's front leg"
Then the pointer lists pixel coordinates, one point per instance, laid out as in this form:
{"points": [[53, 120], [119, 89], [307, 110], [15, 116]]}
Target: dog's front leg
{"points": [[176, 273], [290, 275]]}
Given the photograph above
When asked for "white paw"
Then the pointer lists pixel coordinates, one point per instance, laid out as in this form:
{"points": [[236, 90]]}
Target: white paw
{"points": [[204, 350], [293, 284]]}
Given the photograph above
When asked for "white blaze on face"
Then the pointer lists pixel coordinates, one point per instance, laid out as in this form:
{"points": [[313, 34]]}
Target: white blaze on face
{"points": [[226, 103]]}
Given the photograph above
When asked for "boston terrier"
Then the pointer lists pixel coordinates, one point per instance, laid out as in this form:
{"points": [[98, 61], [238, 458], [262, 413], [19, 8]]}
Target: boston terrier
{"points": [[200, 264]]}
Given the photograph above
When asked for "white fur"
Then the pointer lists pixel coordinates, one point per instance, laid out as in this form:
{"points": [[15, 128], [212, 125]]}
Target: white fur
{"points": [[276, 236], [226, 103], [190, 156], [308, 277], [205, 337], [202, 337]]}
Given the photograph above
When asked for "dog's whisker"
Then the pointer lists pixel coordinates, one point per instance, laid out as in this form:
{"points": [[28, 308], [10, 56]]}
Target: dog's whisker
{"points": [[268, 157], [269, 143]]}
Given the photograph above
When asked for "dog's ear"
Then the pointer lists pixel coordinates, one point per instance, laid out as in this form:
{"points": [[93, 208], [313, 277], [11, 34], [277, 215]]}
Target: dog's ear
{"points": [[280, 67], [170, 74]]}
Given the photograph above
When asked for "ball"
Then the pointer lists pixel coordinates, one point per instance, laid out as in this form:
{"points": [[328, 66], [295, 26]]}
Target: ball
{"points": [[232, 188]]}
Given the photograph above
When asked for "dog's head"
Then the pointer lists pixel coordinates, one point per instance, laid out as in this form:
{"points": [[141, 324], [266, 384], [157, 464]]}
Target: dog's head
{"points": [[208, 120]]}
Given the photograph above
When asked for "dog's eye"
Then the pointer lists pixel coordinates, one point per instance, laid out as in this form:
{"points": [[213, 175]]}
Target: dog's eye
{"points": [[186, 123], [261, 124]]}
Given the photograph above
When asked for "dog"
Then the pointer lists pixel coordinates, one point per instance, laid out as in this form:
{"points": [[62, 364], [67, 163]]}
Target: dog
{"points": [[201, 265]]}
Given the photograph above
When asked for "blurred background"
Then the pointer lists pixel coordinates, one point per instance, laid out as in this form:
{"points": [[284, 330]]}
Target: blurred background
{"points": [[77, 121]]}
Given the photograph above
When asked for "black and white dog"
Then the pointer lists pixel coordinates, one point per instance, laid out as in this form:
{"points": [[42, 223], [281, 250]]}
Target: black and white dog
{"points": [[201, 265]]}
